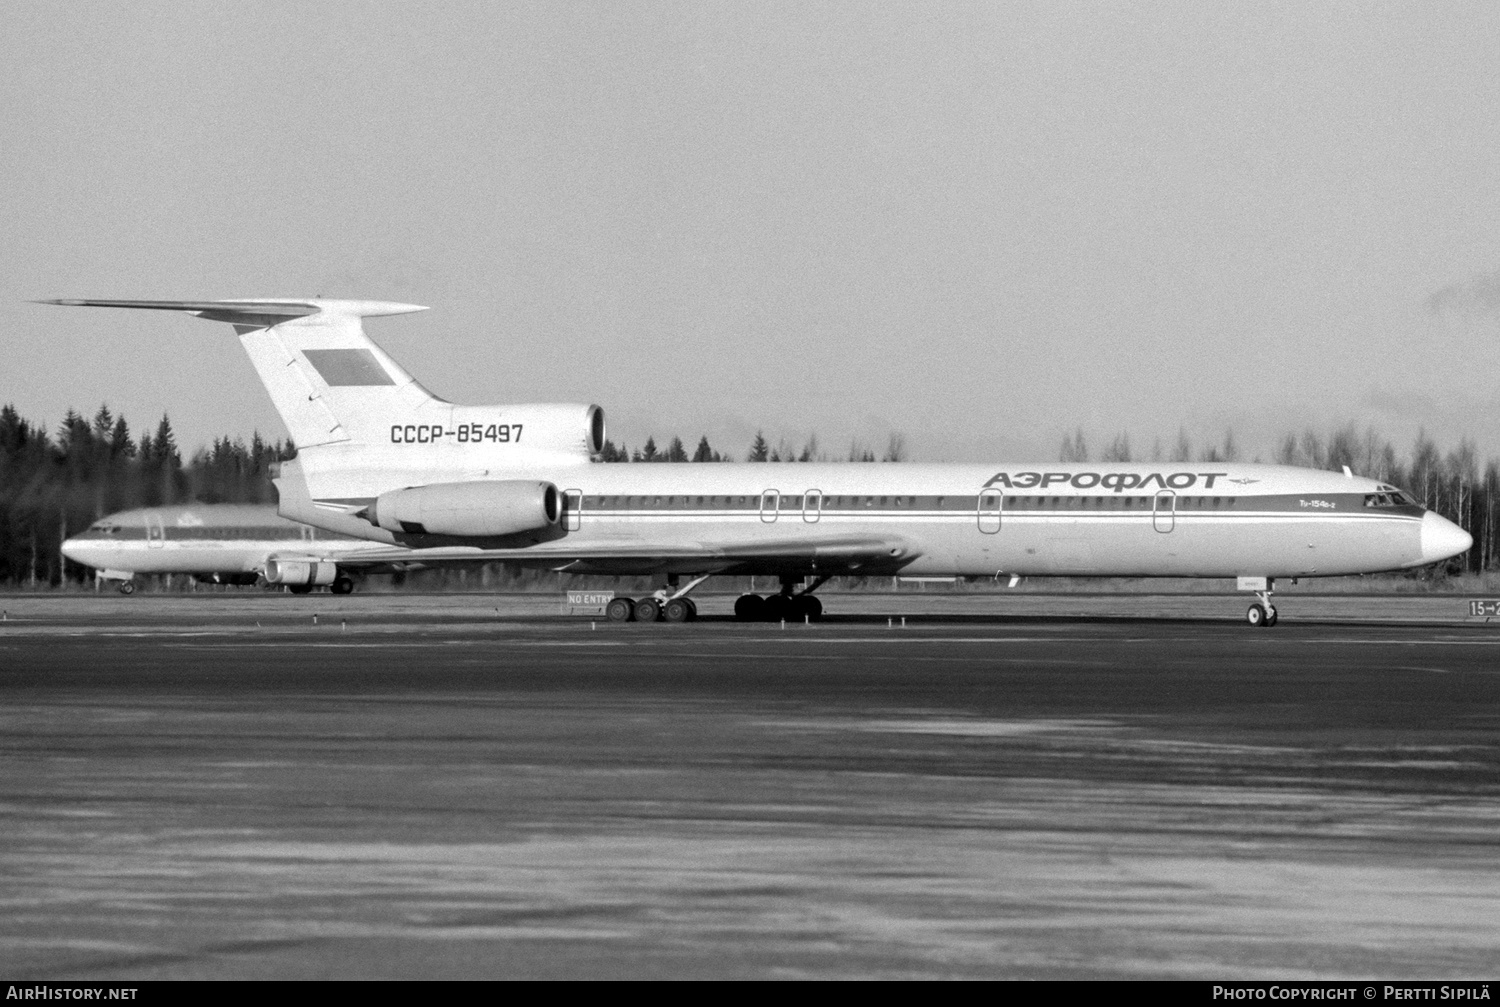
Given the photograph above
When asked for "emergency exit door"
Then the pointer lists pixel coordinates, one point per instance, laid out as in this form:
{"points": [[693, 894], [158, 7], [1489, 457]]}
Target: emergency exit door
{"points": [[991, 502], [1164, 514]]}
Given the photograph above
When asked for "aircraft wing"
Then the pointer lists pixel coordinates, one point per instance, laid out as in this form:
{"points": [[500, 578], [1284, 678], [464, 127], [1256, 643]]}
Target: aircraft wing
{"points": [[830, 554]]}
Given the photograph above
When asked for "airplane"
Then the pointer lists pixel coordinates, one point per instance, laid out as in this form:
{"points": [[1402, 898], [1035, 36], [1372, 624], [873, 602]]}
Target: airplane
{"points": [[222, 544], [383, 459]]}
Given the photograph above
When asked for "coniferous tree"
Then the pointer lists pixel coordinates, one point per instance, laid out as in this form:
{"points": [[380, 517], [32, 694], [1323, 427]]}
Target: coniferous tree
{"points": [[164, 449], [120, 444], [759, 450]]}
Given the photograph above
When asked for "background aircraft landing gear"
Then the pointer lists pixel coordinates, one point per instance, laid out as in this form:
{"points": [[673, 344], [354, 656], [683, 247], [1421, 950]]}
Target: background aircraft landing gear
{"points": [[647, 610], [679, 610], [620, 610], [342, 585], [126, 587]]}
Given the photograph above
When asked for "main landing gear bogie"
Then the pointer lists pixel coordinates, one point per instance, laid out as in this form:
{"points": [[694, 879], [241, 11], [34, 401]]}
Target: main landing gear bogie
{"points": [[778, 607], [651, 609], [673, 605]]}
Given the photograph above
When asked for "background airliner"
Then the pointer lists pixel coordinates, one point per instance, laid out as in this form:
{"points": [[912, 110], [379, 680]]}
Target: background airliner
{"points": [[223, 544], [382, 459]]}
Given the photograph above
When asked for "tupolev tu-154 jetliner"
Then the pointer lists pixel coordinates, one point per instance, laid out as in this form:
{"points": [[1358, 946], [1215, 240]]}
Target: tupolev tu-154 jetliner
{"points": [[381, 458]]}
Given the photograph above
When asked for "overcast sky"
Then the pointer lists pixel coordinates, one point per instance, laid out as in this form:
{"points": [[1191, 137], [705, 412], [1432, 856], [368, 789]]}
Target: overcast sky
{"points": [[982, 225]]}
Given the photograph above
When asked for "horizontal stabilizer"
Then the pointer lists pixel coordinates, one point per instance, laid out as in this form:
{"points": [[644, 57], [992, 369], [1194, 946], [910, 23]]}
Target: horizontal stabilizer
{"points": [[329, 382], [255, 313]]}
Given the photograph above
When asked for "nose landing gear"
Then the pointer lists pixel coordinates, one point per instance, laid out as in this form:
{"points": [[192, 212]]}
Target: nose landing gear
{"points": [[1261, 613]]}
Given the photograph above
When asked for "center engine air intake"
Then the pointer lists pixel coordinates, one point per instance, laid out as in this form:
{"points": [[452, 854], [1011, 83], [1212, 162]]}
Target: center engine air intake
{"points": [[473, 509]]}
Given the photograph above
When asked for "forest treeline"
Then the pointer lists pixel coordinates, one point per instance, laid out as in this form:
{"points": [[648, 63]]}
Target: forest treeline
{"points": [[53, 485], [761, 450]]}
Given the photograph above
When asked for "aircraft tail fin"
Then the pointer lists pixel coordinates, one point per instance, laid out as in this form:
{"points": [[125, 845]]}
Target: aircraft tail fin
{"points": [[328, 380]]}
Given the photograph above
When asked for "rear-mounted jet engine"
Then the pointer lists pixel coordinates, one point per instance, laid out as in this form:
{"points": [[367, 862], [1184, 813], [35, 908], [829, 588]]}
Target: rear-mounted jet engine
{"points": [[472, 510]]}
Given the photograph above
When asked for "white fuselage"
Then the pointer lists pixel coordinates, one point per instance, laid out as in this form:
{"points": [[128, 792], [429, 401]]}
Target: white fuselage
{"points": [[1158, 519]]}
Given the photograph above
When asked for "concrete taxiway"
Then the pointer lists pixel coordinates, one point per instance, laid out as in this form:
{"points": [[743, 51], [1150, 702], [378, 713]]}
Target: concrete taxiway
{"points": [[473, 786]]}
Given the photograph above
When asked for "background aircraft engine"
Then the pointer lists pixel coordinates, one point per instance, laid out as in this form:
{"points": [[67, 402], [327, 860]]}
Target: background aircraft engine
{"points": [[476, 509], [300, 573]]}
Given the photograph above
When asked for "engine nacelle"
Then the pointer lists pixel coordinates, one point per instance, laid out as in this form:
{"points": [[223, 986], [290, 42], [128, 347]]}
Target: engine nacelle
{"points": [[298, 573], [474, 510], [544, 428]]}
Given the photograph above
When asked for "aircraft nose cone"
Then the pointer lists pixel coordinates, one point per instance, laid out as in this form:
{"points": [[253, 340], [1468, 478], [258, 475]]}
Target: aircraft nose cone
{"points": [[85, 552], [1442, 538]]}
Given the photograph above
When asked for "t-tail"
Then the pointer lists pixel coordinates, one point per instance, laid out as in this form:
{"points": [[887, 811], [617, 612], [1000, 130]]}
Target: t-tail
{"points": [[361, 422]]}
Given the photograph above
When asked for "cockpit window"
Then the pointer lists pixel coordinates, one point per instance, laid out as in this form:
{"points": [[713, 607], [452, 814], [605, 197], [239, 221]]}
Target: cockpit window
{"points": [[1389, 497]]}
